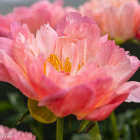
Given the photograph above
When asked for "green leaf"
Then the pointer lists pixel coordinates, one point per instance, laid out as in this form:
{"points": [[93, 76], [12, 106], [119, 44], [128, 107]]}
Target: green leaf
{"points": [[41, 114], [83, 125], [23, 117], [90, 128], [4, 106], [93, 131]]}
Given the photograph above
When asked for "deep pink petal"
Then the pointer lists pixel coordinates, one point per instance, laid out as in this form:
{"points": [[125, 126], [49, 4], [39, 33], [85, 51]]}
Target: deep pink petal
{"points": [[73, 101], [104, 112], [6, 45]]}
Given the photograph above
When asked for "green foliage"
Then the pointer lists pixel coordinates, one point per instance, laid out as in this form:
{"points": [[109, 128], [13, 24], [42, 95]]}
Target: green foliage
{"points": [[90, 128], [41, 114]]}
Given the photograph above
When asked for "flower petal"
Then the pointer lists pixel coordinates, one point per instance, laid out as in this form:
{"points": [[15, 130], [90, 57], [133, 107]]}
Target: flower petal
{"points": [[11, 72], [46, 39], [104, 112], [74, 101]]}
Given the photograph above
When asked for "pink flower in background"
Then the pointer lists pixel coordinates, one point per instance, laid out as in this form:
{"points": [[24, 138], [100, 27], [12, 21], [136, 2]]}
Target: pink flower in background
{"points": [[39, 13], [12, 134], [118, 18], [71, 70]]}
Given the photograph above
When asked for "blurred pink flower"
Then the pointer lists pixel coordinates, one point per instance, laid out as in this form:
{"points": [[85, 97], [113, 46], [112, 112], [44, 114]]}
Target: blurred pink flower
{"points": [[12, 134], [39, 13], [71, 71], [118, 18]]}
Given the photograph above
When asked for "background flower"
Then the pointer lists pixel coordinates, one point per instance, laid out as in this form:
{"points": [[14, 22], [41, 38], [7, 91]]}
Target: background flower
{"points": [[39, 13], [7, 133], [118, 18]]}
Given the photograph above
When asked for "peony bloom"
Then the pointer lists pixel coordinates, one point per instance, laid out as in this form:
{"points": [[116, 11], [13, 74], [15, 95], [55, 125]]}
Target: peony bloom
{"points": [[118, 18], [12, 134], [71, 70], [39, 13]]}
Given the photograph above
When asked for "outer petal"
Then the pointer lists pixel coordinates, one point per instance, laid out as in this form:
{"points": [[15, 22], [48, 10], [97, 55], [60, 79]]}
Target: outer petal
{"points": [[118, 63], [23, 44], [104, 112], [74, 100], [10, 72], [6, 45], [133, 88]]}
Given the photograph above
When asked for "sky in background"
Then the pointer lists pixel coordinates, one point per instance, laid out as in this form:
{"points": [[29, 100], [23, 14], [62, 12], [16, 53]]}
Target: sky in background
{"points": [[8, 5]]}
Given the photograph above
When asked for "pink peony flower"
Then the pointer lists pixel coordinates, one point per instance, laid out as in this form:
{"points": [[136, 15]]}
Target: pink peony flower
{"points": [[12, 134], [118, 18], [71, 71], [39, 13]]}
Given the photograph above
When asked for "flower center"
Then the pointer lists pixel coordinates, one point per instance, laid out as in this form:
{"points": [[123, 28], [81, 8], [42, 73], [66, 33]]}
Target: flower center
{"points": [[57, 64]]}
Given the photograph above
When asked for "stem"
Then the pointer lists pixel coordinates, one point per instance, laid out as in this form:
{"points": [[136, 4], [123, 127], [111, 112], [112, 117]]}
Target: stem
{"points": [[59, 129], [114, 126]]}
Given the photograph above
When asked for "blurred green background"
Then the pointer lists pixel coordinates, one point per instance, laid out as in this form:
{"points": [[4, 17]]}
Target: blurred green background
{"points": [[124, 124]]}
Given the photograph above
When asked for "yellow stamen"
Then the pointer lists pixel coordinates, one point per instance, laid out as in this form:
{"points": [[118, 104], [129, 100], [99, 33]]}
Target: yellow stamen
{"points": [[53, 59], [55, 62], [67, 66], [79, 66]]}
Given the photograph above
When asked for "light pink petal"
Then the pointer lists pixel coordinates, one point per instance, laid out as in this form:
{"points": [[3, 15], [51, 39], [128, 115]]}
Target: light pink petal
{"points": [[104, 112], [46, 39], [117, 62], [134, 96], [133, 89], [73, 21], [104, 52], [67, 48], [24, 44], [82, 31], [75, 100]]}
